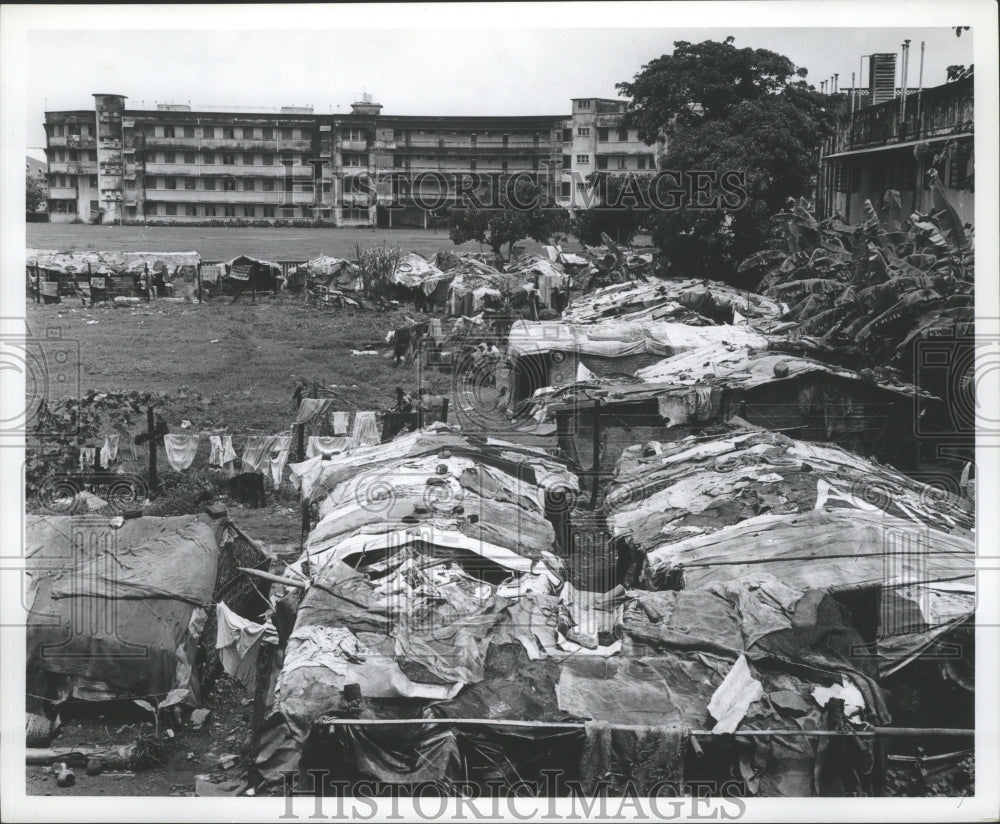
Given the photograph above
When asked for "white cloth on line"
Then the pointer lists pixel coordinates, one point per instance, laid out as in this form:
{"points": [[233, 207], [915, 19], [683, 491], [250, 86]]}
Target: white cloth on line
{"points": [[223, 454], [254, 453], [238, 641], [109, 452], [277, 456], [365, 432], [180, 450], [318, 445], [340, 422], [302, 475]]}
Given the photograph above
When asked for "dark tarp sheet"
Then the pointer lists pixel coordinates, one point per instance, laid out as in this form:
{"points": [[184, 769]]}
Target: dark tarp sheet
{"points": [[113, 612]]}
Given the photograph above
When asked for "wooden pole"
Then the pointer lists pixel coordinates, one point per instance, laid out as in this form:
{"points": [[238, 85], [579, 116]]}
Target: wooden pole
{"points": [[199, 281], [301, 432], [444, 410], [277, 579], [154, 482], [38, 284], [597, 453]]}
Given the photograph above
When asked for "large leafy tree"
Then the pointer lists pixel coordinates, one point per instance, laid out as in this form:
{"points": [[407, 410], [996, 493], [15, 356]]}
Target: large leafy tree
{"points": [[621, 212], [36, 191], [519, 214], [723, 109]]}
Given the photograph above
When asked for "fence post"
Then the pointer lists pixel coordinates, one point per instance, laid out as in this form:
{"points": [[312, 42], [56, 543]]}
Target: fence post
{"points": [[38, 284], [444, 409], [154, 482], [199, 281]]}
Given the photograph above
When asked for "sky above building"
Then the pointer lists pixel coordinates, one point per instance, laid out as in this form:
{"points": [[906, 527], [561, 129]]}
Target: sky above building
{"points": [[441, 71]]}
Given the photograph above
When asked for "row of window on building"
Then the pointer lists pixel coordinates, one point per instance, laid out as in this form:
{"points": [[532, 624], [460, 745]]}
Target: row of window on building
{"points": [[72, 130], [211, 210], [642, 162], [603, 134], [62, 155], [223, 184], [228, 132]]}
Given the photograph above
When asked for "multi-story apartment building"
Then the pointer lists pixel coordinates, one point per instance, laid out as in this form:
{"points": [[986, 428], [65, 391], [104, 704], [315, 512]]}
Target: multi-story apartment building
{"points": [[893, 144], [174, 164], [595, 141]]}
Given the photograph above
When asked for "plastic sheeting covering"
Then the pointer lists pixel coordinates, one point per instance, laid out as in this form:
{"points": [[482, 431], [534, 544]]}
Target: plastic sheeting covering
{"points": [[113, 262], [116, 612], [648, 300], [741, 367], [615, 339]]}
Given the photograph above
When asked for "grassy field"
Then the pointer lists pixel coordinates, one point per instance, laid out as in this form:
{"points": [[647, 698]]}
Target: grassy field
{"points": [[233, 365], [215, 244]]}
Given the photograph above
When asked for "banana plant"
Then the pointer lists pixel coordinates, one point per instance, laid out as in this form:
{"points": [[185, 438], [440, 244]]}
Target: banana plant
{"points": [[881, 283]]}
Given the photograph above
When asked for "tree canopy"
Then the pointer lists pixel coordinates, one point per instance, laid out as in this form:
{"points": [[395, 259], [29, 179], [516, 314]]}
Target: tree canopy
{"points": [[521, 213], [35, 192], [723, 109]]}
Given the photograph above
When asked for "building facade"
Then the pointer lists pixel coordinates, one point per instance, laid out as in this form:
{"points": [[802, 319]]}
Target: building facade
{"points": [[893, 145], [173, 164]]}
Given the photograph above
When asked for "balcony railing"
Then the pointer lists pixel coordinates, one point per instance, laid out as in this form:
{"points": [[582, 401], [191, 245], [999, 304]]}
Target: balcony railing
{"points": [[73, 167], [226, 170], [273, 146], [72, 141], [943, 110]]}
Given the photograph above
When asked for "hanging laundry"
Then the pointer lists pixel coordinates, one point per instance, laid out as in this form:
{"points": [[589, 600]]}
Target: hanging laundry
{"points": [[180, 450], [109, 452], [211, 272], [238, 641], [222, 454], [303, 475], [126, 445], [436, 331], [341, 422], [254, 454], [215, 450], [278, 455], [365, 432], [318, 445], [309, 408], [87, 458]]}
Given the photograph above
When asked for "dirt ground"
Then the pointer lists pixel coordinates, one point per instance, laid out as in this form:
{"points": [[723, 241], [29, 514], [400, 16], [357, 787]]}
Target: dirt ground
{"points": [[190, 752], [228, 364]]}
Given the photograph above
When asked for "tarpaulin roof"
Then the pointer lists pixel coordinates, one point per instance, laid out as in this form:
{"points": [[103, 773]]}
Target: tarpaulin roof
{"points": [[652, 299], [614, 338], [242, 260], [532, 264], [814, 517], [115, 262], [324, 265], [404, 612], [413, 271], [745, 368], [116, 612]]}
